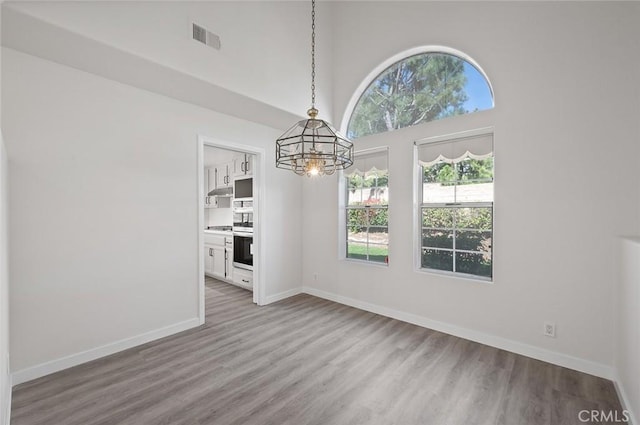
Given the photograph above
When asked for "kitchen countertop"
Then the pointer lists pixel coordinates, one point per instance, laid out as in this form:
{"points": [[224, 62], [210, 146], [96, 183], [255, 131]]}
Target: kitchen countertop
{"points": [[219, 232]]}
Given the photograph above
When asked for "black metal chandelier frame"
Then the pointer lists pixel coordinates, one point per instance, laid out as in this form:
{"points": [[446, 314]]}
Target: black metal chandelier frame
{"points": [[312, 146]]}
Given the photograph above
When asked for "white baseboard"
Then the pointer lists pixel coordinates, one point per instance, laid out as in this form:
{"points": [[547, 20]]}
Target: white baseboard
{"points": [[52, 366], [548, 356], [7, 413], [624, 399], [282, 295]]}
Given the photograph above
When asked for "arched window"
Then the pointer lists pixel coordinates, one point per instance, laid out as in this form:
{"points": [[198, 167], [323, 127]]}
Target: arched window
{"points": [[420, 88]]}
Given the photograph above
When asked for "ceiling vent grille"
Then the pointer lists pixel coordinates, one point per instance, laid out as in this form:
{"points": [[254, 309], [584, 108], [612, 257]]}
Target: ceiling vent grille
{"points": [[203, 36]]}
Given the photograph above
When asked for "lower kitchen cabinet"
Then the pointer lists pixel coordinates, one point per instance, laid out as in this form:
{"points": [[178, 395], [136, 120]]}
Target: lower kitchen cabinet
{"points": [[218, 256], [243, 278], [218, 253]]}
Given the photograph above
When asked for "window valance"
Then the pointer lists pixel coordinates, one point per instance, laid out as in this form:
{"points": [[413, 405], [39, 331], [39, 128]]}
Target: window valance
{"points": [[454, 151]]}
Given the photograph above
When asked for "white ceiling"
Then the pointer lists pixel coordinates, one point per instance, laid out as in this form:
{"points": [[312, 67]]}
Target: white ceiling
{"points": [[214, 156], [264, 55]]}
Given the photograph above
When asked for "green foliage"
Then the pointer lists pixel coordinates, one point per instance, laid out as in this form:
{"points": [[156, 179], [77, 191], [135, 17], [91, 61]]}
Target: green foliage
{"points": [[476, 236], [464, 172], [357, 181], [479, 218], [418, 89], [368, 219]]}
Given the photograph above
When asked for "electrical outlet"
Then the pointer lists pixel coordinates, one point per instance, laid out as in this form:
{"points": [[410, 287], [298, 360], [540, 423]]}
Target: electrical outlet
{"points": [[315, 277], [550, 329]]}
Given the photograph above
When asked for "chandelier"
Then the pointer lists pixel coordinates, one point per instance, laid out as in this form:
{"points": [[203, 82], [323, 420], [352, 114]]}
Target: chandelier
{"points": [[312, 147]]}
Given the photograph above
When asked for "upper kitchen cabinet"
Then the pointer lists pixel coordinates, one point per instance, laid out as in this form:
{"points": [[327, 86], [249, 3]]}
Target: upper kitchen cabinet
{"points": [[223, 175], [209, 180], [243, 165]]}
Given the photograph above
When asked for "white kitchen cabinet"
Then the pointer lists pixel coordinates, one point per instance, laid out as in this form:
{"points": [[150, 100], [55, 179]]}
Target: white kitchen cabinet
{"points": [[223, 175], [217, 202], [218, 256], [209, 180], [228, 265], [208, 259], [218, 253], [243, 278], [243, 164]]}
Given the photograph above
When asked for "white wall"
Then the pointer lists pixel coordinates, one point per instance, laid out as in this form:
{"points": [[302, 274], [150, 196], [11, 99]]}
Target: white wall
{"points": [[104, 210], [627, 360], [566, 147], [265, 51], [5, 377]]}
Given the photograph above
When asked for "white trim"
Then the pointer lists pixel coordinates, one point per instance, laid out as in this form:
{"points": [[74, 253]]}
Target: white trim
{"points": [[451, 137], [7, 413], [259, 190], [66, 362], [417, 213], [200, 247], [417, 201], [624, 399], [560, 359], [397, 58], [282, 295]]}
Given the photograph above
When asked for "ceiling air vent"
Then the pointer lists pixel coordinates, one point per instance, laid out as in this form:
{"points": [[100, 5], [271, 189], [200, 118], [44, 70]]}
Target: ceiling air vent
{"points": [[205, 37]]}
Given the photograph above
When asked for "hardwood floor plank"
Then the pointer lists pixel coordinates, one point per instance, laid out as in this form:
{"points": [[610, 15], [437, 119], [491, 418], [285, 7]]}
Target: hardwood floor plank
{"points": [[308, 361]]}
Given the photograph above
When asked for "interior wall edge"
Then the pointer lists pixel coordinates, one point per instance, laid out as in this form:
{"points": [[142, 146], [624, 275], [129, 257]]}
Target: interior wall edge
{"points": [[553, 357], [47, 368], [625, 401], [7, 413], [270, 299]]}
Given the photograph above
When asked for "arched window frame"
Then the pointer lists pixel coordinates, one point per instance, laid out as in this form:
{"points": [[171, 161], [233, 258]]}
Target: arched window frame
{"points": [[378, 70]]}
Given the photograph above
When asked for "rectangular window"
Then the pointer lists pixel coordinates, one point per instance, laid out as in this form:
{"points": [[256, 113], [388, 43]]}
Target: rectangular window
{"points": [[456, 211], [367, 204]]}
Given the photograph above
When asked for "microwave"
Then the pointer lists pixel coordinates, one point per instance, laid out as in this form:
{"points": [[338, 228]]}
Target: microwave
{"points": [[243, 187]]}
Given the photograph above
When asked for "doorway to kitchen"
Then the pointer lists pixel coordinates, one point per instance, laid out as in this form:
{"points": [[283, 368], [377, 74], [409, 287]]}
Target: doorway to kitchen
{"points": [[231, 188]]}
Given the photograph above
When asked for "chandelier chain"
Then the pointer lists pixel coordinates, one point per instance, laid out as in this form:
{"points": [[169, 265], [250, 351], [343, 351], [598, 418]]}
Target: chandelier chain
{"points": [[313, 53]]}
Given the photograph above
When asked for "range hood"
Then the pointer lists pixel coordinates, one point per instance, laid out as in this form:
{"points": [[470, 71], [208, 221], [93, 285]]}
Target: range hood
{"points": [[225, 191]]}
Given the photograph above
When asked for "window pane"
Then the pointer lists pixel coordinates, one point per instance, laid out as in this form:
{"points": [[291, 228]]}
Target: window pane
{"points": [[436, 259], [475, 170], [474, 218], [437, 238], [476, 264], [356, 218], [421, 88], [376, 196], [470, 180], [354, 196], [367, 219], [441, 218], [357, 250], [371, 252], [442, 172], [474, 192], [378, 217], [438, 193], [472, 240], [378, 253], [378, 236]]}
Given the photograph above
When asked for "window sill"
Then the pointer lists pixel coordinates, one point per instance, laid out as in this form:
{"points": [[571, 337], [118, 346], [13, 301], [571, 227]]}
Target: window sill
{"points": [[454, 275], [368, 263]]}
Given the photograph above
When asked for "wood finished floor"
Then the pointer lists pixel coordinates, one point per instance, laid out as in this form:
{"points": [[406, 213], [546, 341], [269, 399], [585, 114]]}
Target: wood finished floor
{"points": [[306, 360]]}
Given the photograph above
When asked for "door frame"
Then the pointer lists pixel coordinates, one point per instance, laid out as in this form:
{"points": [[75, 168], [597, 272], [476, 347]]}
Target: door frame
{"points": [[259, 189]]}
